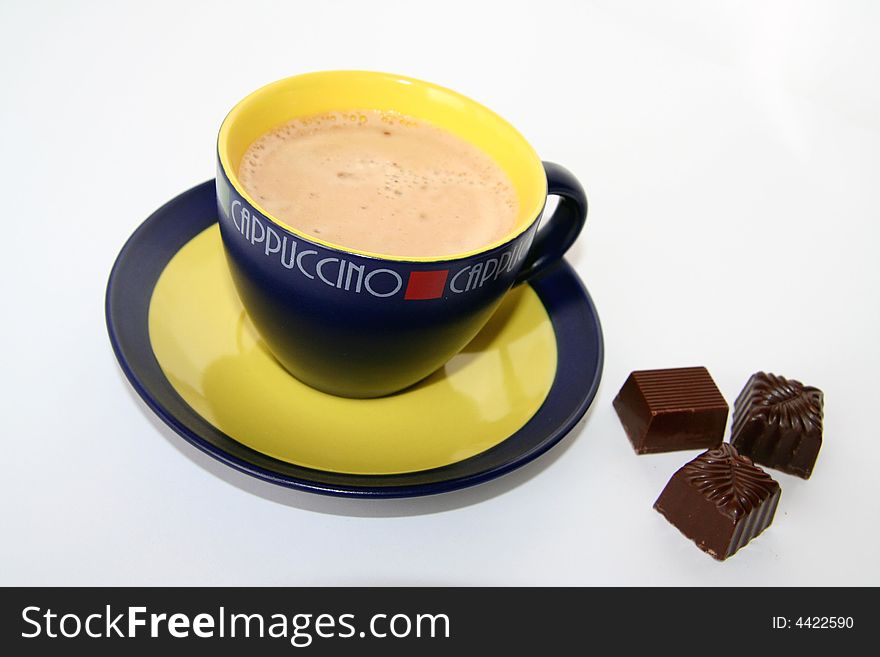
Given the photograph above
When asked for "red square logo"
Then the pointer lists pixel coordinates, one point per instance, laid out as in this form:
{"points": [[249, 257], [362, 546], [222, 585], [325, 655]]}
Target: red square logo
{"points": [[426, 284]]}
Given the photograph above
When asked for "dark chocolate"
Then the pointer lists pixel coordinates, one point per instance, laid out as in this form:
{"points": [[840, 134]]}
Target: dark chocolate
{"points": [[672, 409], [777, 422], [720, 501]]}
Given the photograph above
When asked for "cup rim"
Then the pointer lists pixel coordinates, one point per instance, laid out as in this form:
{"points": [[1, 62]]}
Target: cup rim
{"points": [[232, 177]]}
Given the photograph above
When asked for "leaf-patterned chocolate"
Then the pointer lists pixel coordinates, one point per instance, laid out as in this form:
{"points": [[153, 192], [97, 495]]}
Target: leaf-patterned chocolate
{"points": [[729, 480], [720, 500], [777, 422]]}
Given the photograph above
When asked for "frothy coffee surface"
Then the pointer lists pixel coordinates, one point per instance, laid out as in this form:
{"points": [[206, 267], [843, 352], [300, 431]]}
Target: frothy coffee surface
{"points": [[380, 182]]}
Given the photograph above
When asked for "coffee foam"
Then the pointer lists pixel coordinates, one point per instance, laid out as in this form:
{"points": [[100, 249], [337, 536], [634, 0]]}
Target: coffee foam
{"points": [[380, 182]]}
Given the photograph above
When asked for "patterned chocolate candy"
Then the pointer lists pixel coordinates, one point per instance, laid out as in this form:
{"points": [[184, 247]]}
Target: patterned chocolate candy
{"points": [[720, 500], [671, 409], [777, 422]]}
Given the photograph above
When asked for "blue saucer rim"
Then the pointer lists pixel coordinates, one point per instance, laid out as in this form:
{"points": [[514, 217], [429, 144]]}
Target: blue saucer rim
{"points": [[134, 276]]}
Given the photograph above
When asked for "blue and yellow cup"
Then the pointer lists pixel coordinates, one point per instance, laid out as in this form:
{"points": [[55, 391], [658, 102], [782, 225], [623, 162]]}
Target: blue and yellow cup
{"points": [[361, 324]]}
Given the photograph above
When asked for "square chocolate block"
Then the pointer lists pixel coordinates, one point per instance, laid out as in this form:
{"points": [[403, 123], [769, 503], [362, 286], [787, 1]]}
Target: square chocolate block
{"points": [[720, 501], [672, 409], [777, 422]]}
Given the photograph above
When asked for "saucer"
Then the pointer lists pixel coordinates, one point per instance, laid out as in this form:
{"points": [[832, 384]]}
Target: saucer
{"points": [[190, 351]]}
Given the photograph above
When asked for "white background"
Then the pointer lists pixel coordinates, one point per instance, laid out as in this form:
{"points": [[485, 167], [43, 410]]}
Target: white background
{"points": [[731, 153]]}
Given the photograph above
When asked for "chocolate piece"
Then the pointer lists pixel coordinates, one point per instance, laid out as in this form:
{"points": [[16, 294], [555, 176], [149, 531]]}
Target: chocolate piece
{"points": [[667, 410], [720, 501], [777, 422]]}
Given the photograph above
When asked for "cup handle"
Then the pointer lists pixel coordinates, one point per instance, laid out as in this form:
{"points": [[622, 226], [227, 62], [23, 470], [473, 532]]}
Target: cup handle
{"points": [[562, 227]]}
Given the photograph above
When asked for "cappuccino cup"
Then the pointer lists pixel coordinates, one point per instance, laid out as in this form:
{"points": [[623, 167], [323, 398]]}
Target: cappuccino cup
{"points": [[382, 298]]}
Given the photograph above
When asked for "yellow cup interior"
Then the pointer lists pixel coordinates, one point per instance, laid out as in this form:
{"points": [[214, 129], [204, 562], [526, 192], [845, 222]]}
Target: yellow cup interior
{"points": [[317, 93]]}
